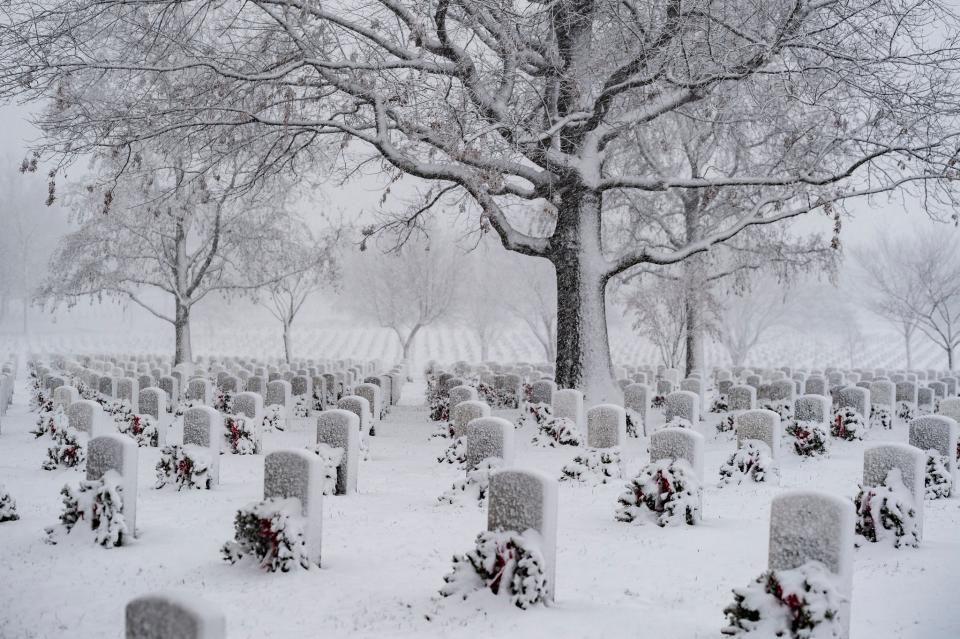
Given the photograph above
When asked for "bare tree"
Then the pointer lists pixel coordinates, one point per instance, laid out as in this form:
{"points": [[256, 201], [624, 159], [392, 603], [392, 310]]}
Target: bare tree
{"points": [[746, 317], [524, 106], [406, 290], [890, 282], [659, 309], [150, 231], [299, 266], [532, 298]]}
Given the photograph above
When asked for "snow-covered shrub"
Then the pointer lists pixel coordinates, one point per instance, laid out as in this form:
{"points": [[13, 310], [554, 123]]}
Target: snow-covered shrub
{"points": [[801, 603], [186, 405], [505, 562], [241, 435], [437, 401], [939, 481], [69, 449], [50, 421], [726, 424], [809, 438], [330, 459], [186, 466], [119, 409], [594, 465], [272, 532], [848, 424], [720, 404], [301, 406], [751, 461], [880, 416], [886, 511], [780, 407], [142, 428], [455, 453], [557, 431], [317, 404], [8, 506], [223, 402], [634, 423], [905, 411], [658, 401], [98, 502], [535, 413], [273, 418], [443, 431], [473, 487], [665, 491]]}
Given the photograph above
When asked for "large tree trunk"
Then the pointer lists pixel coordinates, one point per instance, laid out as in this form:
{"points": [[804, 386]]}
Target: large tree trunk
{"points": [[181, 325], [906, 341], [287, 344], [583, 351], [949, 350], [693, 335], [407, 344]]}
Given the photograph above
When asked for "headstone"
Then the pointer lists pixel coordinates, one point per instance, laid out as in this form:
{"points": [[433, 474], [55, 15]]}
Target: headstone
{"points": [[203, 426], [489, 437], [684, 405], [256, 384], [907, 392], [879, 459], [116, 452], [153, 402], [63, 396], [811, 526], [521, 500], [762, 425], [937, 432], [742, 398], [173, 616], [815, 386], [200, 390], [169, 385], [541, 391], [371, 393], [465, 412], [462, 394], [301, 385], [637, 397], [678, 443], [89, 417], [812, 408], [359, 407], [278, 393], [856, 398], [664, 387], [606, 426], [883, 393], [298, 473], [341, 429]]}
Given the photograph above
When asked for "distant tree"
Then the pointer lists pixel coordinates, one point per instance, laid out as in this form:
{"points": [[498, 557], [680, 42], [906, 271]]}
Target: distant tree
{"points": [[159, 228], [299, 266], [408, 289]]}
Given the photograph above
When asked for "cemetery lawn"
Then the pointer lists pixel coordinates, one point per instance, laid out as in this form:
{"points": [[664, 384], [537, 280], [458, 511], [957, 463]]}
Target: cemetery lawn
{"points": [[386, 550]]}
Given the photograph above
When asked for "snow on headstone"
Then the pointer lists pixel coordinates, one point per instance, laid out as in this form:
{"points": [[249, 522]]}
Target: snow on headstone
{"points": [[856, 398], [678, 443], [298, 473], [170, 386], [939, 389], [664, 387], [462, 394], [671, 375], [568, 403], [278, 393], [753, 380], [203, 426], [119, 453], [360, 407], [340, 428], [371, 393], [489, 437], [63, 396], [173, 616], [256, 384], [637, 397], [89, 417], [606, 426], [812, 408], [883, 393], [301, 385], [694, 385], [742, 398], [879, 459], [153, 402], [761, 425], [464, 413], [951, 383], [907, 392], [925, 398], [683, 404], [248, 404], [521, 500], [937, 432], [541, 391], [128, 390], [815, 385], [200, 390], [950, 407], [811, 526]]}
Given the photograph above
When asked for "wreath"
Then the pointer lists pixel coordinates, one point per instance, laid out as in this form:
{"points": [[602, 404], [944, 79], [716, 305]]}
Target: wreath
{"points": [[666, 490], [557, 431], [472, 488], [594, 465], [888, 510], [809, 438], [186, 466], [97, 501], [272, 532], [752, 460], [848, 424]]}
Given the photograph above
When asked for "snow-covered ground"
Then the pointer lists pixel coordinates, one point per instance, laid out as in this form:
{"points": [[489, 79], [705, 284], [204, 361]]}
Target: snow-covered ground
{"points": [[386, 550]]}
